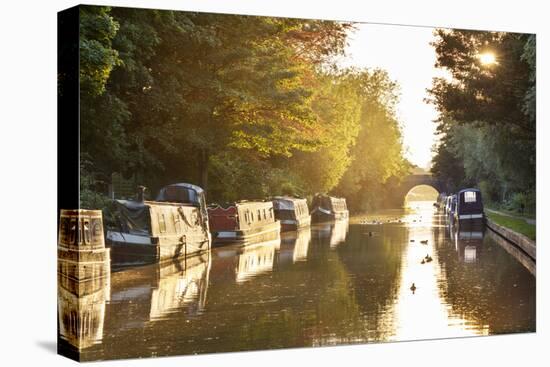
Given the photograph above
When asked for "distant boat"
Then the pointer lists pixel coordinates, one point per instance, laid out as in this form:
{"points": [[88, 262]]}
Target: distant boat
{"points": [[441, 201], [243, 222], [451, 207], [293, 213], [174, 225], [327, 208]]}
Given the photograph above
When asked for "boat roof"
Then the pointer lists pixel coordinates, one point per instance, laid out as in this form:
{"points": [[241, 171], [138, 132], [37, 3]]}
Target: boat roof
{"points": [[287, 198], [330, 196], [470, 189], [226, 205], [187, 186]]}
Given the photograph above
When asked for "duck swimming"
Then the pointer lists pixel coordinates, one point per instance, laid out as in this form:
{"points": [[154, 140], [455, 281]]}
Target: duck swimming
{"points": [[424, 242]]}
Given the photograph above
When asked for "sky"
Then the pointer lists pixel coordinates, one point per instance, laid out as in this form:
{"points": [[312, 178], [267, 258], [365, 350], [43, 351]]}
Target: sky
{"points": [[405, 53]]}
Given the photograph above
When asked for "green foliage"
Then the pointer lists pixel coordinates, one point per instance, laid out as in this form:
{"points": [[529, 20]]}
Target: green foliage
{"points": [[377, 156], [97, 57], [91, 188], [521, 202], [487, 113], [247, 107]]}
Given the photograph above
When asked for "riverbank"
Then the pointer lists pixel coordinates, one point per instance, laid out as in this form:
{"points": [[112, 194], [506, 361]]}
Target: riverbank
{"points": [[523, 242], [521, 225]]}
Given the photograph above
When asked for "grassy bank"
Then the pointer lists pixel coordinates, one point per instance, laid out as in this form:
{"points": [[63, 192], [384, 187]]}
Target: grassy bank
{"points": [[501, 208], [515, 224]]}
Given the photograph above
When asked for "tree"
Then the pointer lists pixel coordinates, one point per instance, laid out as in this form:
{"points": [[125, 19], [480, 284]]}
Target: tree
{"points": [[240, 105], [487, 111]]}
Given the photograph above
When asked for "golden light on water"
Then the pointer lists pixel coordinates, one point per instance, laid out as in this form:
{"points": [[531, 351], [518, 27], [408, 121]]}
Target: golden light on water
{"points": [[487, 58], [424, 314]]}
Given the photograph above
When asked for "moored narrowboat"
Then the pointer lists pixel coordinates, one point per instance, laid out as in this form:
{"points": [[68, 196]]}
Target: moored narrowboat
{"points": [[441, 200], [451, 208], [243, 222], [293, 213], [174, 225], [328, 208], [469, 206]]}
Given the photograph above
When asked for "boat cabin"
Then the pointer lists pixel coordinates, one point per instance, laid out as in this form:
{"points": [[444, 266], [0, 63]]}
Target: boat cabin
{"points": [[448, 203], [327, 208], [441, 200], [452, 205], [469, 205], [243, 222], [293, 213], [174, 225]]}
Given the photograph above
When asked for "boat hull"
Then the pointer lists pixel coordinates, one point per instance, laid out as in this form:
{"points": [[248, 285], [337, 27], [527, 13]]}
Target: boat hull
{"points": [[258, 234], [295, 224], [319, 216], [129, 249]]}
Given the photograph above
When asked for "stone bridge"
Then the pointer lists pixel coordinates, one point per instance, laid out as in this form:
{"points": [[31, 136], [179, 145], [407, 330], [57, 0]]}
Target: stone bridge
{"points": [[414, 180]]}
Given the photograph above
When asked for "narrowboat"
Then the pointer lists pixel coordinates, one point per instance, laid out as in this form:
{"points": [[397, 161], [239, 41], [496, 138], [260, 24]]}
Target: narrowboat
{"points": [[441, 200], [243, 222], [328, 208], [174, 225], [452, 208], [447, 205], [469, 206], [293, 213]]}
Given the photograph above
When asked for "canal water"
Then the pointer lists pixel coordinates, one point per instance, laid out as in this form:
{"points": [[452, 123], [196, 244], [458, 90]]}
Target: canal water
{"points": [[336, 283]]}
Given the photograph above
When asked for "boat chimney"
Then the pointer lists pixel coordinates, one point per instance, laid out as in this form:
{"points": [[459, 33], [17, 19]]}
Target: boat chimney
{"points": [[141, 194]]}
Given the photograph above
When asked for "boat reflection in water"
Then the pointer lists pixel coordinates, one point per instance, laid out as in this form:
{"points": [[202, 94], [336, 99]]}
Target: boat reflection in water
{"points": [[242, 263], [294, 246], [256, 259], [153, 292], [181, 283], [81, 310], [83, 280], [335, 232], [468, 241]]}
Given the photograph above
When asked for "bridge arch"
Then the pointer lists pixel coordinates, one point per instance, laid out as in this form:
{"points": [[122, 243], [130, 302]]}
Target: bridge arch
{"points": [[414, 180], [421, 192]]}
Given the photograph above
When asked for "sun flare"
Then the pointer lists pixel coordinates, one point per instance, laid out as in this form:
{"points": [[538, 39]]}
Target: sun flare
{"points": [[487, 58]]}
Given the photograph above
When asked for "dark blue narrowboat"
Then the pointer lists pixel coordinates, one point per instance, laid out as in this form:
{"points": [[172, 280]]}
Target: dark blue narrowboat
{"points": [[328, 208], [469, 205]]}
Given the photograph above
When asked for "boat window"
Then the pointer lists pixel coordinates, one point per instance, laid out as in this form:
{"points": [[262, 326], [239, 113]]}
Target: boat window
{"points": [[470, 197], [162, 223], [259, 215], [265, 215]]}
